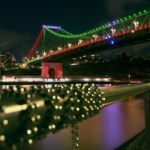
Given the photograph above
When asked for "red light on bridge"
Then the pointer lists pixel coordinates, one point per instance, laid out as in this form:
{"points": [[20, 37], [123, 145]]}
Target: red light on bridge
{"points": [[46, 66]]}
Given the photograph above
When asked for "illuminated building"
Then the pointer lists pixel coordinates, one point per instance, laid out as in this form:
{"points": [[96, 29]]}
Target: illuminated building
{"points": [[6, 60]]}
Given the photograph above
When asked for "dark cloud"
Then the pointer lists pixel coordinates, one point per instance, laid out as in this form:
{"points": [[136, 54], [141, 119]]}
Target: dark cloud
{"points": [[14, 42], [141, 50], [121, 7]]}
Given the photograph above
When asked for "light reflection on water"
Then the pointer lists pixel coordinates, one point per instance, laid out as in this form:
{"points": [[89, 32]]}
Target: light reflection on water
{"points": [[113, 126]]}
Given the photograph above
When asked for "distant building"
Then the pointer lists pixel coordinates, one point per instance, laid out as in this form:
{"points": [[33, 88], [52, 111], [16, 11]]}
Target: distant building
{"points": [[6, 60]]}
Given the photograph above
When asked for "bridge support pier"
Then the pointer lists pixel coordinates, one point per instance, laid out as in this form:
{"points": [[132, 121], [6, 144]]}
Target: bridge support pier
{"points": [[147, 119], [55, 67]]}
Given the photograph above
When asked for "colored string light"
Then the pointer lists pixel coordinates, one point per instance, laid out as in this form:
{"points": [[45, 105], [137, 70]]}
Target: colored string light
{"points": [[33, 49], [74, 47], [121, 20], [65, 34]]}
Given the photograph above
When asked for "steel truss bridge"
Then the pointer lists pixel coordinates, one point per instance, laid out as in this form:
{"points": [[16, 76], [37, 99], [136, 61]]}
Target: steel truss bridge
{"points": [[56, 44]]}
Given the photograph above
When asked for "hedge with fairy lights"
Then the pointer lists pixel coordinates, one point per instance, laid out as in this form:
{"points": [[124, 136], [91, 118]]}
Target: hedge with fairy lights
{"points": [[43, 109]]}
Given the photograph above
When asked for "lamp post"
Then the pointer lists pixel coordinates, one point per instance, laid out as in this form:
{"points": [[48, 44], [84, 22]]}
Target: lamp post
{"points": [[129, 77]]}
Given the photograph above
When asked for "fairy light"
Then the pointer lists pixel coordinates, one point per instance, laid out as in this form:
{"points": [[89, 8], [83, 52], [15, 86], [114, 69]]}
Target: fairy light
{"points": [[56, 107], [113, 31], [78, 100], [30, 141], [15, 88], [75, 93], [78, 109], [83, 115], [2, 138], [103, 98], [60, 107], [29, 131], [54, 97], [68, 91], [22, 90], [28, 96], [71, 99], [53, 90], [5, 122], [35, 129], [38, 117], [102, 92], [33, 106], [33, 119], [49, 127], [53, 126], [72, 108]]}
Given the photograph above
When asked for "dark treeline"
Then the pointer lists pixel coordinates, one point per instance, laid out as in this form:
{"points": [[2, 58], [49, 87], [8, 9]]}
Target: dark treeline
{"points": [[122, 66]]}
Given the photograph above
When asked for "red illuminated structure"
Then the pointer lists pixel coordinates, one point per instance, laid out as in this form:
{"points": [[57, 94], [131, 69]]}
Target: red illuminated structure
{"points": [[47, 68]]}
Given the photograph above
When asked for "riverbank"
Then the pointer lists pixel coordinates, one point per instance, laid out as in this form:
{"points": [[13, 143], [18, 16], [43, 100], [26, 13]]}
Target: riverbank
{"points": [[136, 143]]}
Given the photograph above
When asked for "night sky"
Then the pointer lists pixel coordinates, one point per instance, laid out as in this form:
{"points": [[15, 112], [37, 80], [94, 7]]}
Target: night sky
{"points": [[20, 21]]}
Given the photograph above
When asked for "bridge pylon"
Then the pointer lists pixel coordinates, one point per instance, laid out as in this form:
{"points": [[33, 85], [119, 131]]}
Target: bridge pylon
{"points": [[48, 67]]}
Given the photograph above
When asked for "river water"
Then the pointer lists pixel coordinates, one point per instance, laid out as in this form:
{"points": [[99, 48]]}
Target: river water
{"points": [[114, 125]]}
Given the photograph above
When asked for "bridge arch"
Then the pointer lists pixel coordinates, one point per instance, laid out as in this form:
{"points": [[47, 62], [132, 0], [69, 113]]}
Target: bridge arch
{"points": [[51, 70]]}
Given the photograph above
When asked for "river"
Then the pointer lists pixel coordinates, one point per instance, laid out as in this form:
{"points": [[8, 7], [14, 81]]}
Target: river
{"points": [[114, 125]]}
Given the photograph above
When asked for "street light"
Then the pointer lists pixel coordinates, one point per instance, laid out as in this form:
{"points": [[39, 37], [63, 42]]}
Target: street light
{"points": [[44, 53], [95, 36], [136, 23], [69, 44], [51, 51], [113, 31], [80, 42], [59, 48]]}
